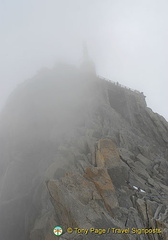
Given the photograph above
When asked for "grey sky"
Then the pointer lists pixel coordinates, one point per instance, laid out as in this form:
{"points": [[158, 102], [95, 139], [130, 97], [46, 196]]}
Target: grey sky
{"points": [[127, 39]]}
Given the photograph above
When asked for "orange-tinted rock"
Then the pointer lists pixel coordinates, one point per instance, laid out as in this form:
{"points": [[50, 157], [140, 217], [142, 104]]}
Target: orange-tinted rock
{"points": [[104, 185], [107, 154]]}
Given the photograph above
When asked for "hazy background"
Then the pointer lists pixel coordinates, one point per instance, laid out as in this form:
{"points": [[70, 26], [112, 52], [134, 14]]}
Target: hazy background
{"points": [[127, 39]]}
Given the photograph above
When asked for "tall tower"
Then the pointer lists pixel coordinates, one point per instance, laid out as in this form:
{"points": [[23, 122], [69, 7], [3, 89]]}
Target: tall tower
{"points": [[85, 52], [87, 65]]}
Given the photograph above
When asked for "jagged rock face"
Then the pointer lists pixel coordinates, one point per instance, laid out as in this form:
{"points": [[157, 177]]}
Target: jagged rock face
{"points": [[78, 151], [107, 154]]}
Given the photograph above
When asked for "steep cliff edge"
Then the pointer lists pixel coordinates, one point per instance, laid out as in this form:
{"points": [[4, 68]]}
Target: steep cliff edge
{"points": [[79, 151]]}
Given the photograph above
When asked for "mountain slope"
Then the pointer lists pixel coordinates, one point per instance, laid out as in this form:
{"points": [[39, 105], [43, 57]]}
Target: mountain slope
{"points": [[79, 151]]}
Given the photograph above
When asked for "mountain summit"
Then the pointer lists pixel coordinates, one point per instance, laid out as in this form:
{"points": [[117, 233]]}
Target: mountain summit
{"points": [[81, 152]]}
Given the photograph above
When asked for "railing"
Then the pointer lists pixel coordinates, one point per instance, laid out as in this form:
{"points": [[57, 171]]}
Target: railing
{"points": [[120, 85]]}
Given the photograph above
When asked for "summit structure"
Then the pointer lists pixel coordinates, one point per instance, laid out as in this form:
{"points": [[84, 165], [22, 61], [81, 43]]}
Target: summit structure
{"points": [[87, 65]]}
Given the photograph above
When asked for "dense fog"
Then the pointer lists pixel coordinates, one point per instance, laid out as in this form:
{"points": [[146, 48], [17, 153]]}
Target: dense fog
{"points": [[126, 39]]}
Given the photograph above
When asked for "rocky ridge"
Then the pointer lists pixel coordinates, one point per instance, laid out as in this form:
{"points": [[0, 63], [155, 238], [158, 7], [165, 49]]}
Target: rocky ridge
{"points": [[79, 151]]}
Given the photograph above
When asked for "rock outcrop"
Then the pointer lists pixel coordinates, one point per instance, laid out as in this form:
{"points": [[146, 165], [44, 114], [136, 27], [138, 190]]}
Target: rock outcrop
{"points": [[82, 152]]}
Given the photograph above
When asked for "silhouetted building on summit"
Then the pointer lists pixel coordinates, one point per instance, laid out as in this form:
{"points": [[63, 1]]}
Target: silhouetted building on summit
{"points": [[87, 65]]}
